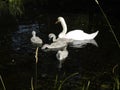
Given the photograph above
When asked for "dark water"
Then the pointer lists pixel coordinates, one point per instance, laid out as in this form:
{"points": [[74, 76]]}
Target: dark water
{"points": [[94, 64]]}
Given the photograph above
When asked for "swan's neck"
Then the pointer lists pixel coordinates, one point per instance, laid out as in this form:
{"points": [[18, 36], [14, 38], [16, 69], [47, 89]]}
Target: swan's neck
{"points": [[54, 38], [63, 23], [64, 26]]}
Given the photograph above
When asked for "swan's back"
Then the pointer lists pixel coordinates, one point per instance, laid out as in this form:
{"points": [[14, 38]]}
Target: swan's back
{"points": [[80, 35]]}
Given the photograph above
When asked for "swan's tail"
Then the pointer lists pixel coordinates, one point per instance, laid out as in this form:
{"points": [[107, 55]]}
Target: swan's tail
{"points": [[93, 35]]}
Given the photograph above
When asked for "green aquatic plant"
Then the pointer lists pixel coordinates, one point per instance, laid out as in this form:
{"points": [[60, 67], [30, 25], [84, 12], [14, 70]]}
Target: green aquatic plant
{"points": [[108, 23], [63, 81], [116, 78], [56, 80], [14, 7], [3, 5], [86, 87], [4, 88], [32, 87], [88, 84]]}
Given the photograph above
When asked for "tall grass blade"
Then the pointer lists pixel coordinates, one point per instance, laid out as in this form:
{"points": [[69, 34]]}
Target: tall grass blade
{"points": [[88, 84], [2, 83], [108, 23], [32, 87], [56, 80], [59, 88]]}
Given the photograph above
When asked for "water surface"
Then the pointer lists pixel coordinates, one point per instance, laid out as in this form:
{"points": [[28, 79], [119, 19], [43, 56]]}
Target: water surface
{"points": [[94, 63]]}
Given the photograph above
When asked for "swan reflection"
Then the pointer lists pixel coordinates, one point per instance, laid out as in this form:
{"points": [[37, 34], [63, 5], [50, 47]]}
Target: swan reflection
{"points": [[61, 56], [81, 43], [53, 46]]}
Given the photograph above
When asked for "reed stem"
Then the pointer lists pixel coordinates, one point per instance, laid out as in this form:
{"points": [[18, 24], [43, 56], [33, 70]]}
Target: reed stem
{"points": [[59, 88], [4, 88], [36, 62], [32, 87], [108, 23]]}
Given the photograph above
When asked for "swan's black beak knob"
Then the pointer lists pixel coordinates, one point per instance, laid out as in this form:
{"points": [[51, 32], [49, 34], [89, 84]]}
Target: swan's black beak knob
{"points": [[57, 22]]}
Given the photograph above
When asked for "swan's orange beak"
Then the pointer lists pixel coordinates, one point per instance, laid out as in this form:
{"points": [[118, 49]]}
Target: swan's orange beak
{"points": [[57, 22]]}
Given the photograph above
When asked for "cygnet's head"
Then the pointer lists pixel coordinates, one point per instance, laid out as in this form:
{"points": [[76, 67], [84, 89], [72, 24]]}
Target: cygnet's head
{"points": [[51, 35], [33, 33]]}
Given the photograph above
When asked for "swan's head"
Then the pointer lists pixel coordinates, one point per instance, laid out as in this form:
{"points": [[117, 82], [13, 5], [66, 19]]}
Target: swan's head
{"points": [[60, 19], [33, 33]]}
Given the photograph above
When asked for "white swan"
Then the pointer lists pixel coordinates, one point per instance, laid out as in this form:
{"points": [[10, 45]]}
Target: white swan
{"points": [[35, 39], [75, 34], [61, 56]]}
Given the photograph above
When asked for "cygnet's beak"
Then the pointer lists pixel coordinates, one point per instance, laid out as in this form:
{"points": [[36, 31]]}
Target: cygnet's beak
{"points": [[50, 38]]}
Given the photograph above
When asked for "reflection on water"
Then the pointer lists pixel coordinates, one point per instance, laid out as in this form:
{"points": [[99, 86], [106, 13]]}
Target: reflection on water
{"points": [[61, 56], [18, 61], [81, 43]]}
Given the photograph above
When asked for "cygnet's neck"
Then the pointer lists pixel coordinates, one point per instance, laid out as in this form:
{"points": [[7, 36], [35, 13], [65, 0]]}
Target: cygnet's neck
{"points": [[34, 34], [54, 38], [65, 49]]}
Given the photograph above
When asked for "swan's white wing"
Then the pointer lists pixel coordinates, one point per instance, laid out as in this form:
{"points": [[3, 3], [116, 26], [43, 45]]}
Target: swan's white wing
{"points": [[80, 35], [76, 35]]}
